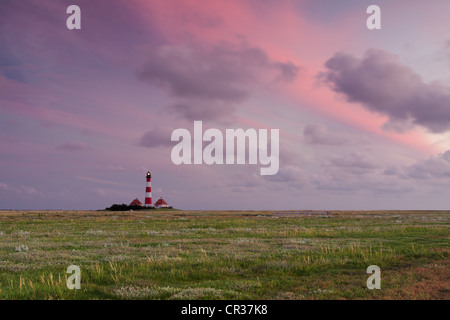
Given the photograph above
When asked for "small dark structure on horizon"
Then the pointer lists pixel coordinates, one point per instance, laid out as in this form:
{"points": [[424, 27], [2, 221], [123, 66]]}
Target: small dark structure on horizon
{"points": [[136, 205], [136, 202], [161, 204]]}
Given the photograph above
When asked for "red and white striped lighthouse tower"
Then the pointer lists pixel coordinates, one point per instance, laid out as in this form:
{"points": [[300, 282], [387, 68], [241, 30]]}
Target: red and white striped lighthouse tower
{"points": [[148, 190]]}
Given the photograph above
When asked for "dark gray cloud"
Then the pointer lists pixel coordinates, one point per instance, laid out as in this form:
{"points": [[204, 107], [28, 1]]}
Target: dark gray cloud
{"points": [[381, 83], [157, 137], [355, 160], [288, 71], [446, 155], [224, 73], [434, 167], [290, 174], [72, 146], [392, 171], [446, 50], [328, 11], [191, 73], [359, 174], [317, 133], [201, 110], [217, 73]]}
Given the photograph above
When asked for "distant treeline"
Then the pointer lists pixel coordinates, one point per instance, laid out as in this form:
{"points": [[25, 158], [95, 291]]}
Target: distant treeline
{"points": [[125, 207]]}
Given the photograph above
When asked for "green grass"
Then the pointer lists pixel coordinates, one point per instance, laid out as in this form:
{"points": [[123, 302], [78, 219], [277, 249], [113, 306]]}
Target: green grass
{"points": [[223, 255]]}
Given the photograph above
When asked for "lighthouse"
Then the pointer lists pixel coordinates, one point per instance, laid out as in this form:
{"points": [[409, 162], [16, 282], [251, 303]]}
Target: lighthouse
{"points": [[148, 190]]}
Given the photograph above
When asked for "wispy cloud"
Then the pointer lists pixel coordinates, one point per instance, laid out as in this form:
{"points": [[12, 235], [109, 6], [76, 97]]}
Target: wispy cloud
{"points": [[101, 181], [73, 146]]}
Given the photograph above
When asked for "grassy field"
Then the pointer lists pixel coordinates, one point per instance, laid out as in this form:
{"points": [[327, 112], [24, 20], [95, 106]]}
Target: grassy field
{"points": [[223, 255]]}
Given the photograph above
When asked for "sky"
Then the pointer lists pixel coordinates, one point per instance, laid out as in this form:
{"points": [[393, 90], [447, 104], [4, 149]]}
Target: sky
{"points": [[364, 115]]}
